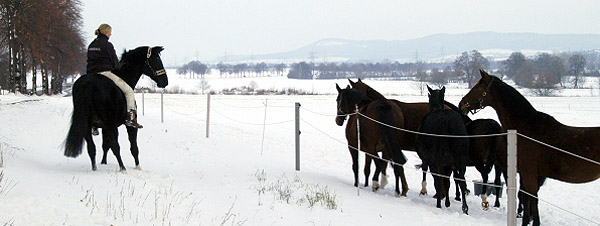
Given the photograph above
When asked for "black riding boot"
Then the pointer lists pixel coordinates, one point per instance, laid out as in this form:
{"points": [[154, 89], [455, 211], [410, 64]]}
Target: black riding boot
{"points": [[95, 131], [131, 120]]}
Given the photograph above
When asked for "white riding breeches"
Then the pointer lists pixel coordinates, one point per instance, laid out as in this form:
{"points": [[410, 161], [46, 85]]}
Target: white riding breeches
{"points": [[127, 90]]}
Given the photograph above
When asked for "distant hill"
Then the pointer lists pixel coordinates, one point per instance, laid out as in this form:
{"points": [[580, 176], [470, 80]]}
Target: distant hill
{"points": [[438, 47]]}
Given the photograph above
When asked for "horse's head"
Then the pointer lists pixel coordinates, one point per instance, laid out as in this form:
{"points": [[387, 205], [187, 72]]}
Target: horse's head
{"points": [[436, 98], [154, 68], [479, 96], [347, 100]]}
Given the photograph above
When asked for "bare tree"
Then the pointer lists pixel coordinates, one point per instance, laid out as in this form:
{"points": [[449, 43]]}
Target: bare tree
{"points": [[576, 68], [469, 64]]}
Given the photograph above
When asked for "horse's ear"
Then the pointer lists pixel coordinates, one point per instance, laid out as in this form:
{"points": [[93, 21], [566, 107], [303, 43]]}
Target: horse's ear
{"points": [[348, 87], [483, 74], [160, 48], [338, 88], [359, 80], [351, 82], [443, 89], [429, 89]]}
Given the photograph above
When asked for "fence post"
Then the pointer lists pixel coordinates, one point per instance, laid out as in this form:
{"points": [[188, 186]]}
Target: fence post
{"points": [[207, 114], [297, 135], [143, 103], [358, 151], [162, 117], [512, 178]]}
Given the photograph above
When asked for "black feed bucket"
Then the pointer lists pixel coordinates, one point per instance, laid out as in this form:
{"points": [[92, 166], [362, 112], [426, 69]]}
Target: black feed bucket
{"points": [[490, 190]]}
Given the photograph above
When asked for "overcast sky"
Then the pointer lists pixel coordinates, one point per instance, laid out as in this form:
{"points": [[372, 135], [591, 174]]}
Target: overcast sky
{"points": [[211, 29]]}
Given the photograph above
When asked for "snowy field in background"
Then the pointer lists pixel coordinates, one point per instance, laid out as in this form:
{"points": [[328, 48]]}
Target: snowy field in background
{"points": [[236, 177]]}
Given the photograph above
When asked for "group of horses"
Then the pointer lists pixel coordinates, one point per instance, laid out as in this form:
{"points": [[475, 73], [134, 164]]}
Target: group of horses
{"points": [[386, 126], [379, 119], [447, 140]]}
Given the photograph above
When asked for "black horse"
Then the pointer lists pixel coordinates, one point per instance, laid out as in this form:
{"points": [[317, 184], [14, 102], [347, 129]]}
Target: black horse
{"points": [[444, 155], [98, 102]]}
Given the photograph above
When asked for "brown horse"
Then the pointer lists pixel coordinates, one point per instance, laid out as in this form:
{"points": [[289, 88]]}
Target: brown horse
{"points": [[482, 152], [374, 137], [536, 161]]}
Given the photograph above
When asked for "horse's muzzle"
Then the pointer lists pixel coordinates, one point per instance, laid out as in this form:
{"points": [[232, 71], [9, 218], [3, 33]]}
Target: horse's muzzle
{"points": [[339, 120]]}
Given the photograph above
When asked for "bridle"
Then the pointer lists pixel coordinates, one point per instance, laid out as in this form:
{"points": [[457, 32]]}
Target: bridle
{"points": [[473, 110], [157, 72]]}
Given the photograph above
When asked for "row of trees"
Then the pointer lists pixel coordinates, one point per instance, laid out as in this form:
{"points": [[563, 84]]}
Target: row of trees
{"points": [[40, 36], [543, 71]]}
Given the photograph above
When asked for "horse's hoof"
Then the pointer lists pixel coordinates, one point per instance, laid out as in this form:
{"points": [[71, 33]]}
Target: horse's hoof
{"points": [[103, 162], [467, 192], [138, 167], [457, 199], [94, 168], [465, 210], [375, 185], [384, 181], [397, 194], [497, 204], [423, 193], [485, 206]]}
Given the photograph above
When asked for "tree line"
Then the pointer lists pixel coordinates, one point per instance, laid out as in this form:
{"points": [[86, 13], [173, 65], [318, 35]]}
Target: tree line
{"points": [[40, 36]]}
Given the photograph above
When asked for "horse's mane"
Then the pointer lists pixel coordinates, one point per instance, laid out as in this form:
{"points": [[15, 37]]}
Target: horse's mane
{"points": [[129, 54], [515, 100], [370, 92]]}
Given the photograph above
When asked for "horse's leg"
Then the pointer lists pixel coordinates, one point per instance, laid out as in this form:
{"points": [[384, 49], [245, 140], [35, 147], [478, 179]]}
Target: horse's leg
{"points": [[530, 185], [457, 190], [424, 181], [439, 186], [132, 133], [447, 173], [399, 175], [113, 136], [367, 172], [460, 175], [484, 170], [106, 144], [354, 155], [91, 147], [382, 165], [498, 183]]}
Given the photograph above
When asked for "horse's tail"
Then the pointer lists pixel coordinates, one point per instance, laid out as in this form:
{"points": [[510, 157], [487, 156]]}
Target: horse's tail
{"points": [[80, 119], [390, 141]]}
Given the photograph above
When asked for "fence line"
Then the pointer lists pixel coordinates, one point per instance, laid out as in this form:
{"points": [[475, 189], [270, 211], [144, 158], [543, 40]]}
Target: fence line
{"points": [[433, 135], [560, 150], [558, 207], [439, 175], [390, 161], [250, 123]]}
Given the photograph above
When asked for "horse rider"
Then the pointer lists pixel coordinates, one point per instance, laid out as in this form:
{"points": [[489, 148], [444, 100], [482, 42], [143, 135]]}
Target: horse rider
{"points": [[102, 59]]}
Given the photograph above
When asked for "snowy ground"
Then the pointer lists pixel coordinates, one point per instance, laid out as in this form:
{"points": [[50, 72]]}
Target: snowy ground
{"points": [[235, 177]]}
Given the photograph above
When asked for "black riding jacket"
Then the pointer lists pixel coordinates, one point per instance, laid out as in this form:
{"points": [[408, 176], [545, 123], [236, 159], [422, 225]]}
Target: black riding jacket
{"points": [[101, 55]]}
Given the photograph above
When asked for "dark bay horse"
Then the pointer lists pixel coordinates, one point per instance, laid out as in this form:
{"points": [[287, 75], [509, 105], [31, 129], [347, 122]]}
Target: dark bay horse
{"points": [[536, 162], [444, 155], [98, 102], [482, 150], [374, 137]]}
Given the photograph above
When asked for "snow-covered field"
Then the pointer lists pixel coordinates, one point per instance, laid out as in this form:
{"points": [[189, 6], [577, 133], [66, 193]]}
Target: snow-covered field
{"points": [[244, 173]]}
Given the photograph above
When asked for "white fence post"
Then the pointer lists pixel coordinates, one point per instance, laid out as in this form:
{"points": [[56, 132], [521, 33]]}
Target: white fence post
{"points": [[162, 112], [207, 114], [358, 151], [297, 135], [512, 178], [143, 103]]}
